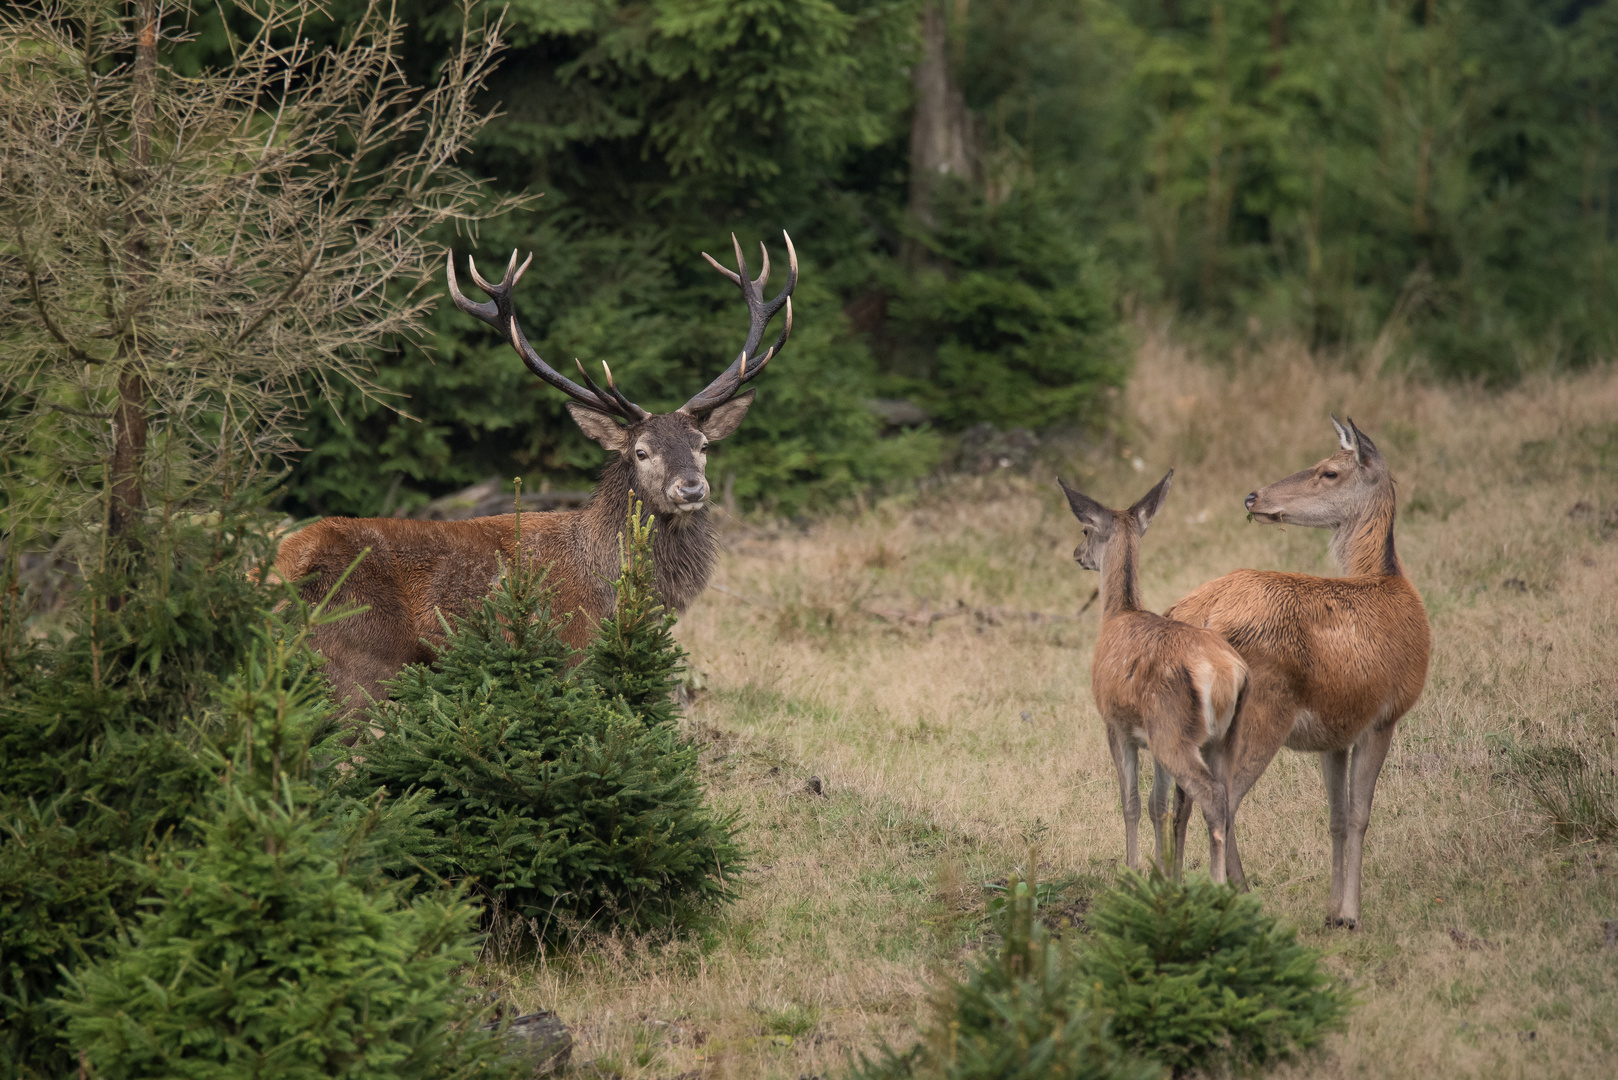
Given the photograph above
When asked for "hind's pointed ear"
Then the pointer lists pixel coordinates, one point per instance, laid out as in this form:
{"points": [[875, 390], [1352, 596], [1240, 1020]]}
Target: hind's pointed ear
{"points": [[1086, 509], [1150, 503], [1345, 438], [1363, 447]]}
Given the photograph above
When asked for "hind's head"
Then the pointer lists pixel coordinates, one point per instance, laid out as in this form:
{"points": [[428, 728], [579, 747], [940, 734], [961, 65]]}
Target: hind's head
{"points": [[1332, 492]]}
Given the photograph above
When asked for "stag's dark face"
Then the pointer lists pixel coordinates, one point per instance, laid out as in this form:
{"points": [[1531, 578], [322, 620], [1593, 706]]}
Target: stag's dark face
{"points": [[669, 453]]}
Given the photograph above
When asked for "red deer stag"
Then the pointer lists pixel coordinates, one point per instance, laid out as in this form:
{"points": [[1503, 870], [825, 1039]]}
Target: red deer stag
{"points": [[1333, 662], [1158, 683], [413, 570]]}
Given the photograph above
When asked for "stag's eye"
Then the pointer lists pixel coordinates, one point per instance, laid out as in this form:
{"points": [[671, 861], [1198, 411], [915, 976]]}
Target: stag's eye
{"points": [[641, 454], [1329, 474]]}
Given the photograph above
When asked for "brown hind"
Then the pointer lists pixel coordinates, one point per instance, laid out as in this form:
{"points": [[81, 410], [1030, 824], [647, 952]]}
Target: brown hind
{"points": [[1161, 684], [1333, 662]]}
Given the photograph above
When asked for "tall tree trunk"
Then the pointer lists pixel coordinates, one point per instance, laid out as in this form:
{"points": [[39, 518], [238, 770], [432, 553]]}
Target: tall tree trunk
{"points": [[129, 419], [941, 142]]}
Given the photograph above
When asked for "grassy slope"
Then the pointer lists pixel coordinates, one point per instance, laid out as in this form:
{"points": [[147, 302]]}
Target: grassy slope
{"points": [[892, 654]]}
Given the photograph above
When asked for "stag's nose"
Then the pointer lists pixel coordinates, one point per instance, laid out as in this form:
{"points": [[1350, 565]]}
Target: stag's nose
{"points": [[1252, 497], [692, 491]]}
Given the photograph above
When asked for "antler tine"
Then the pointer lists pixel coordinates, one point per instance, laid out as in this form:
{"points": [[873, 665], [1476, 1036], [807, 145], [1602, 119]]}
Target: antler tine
{"points": [[764, 271], [719, 266], [488, 311], [741, 264], [499, 312], [634, 409]]}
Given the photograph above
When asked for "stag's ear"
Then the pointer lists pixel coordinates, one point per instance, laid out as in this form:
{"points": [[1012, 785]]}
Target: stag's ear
{"points": [[1087, 510], [1150, 503], [1345, 438], [1363, 447], [727, 418], [600, 427]]}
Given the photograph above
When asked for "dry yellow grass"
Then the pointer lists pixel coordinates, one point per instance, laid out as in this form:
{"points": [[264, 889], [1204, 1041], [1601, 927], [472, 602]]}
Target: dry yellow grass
{"points": [[892, 654]]}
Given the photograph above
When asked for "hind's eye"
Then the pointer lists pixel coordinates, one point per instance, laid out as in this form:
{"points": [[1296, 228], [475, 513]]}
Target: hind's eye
{"points": [[1329, 475], [641, 454]]}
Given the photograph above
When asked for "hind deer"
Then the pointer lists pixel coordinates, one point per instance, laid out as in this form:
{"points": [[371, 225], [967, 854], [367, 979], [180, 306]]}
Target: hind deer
{"points": [[1161, 684], [1333, 662], [412, 571]]}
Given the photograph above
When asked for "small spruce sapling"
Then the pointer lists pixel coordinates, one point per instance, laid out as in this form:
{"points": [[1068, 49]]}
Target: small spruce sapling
{"points": [[1197, 976], [544, 792], [1023, 1013], [635, 658], [275, 950]]}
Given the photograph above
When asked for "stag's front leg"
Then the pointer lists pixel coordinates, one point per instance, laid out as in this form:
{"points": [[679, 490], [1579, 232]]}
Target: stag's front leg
{"points": [[1126, 759]]}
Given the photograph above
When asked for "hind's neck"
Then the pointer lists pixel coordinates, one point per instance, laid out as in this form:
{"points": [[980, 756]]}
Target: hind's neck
{"points": [[1364, 546]]}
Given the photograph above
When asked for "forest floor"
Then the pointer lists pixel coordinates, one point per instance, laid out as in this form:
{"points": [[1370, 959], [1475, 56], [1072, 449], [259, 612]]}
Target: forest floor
{"points": [[926, 660]]}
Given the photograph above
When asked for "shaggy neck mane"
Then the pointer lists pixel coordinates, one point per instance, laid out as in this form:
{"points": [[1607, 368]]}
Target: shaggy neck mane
{"points": [[683, 545], [1365, 546]]}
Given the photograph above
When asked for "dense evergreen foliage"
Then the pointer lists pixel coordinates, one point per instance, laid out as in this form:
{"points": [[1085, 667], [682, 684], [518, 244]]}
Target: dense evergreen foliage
{"points": [[1197, 976], [99, 728], [275, 949], [1023, 1013], [1425, 183], [1190, 978], [562, 798]]}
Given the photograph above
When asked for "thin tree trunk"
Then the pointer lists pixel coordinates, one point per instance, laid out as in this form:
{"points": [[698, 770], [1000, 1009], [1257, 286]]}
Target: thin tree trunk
{"points": [[941, 142], [129, 420]]}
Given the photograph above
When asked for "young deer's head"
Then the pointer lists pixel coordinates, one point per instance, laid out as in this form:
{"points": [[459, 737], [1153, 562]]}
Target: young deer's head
{"points": [[1350, 492], [667, 453], [1112, 538]]}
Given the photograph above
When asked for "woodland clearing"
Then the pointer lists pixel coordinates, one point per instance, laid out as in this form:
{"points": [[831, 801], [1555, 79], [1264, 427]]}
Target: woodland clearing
{"points": [[925, 660]]}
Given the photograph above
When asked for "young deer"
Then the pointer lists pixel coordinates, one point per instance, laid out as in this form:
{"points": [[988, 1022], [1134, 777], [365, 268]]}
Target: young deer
{"points": [[1334, 662], [1161, 684], [413, 570]]}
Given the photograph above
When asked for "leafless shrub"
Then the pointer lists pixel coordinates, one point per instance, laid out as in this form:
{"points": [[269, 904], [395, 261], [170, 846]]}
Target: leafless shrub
{"points": [[181, 256]]}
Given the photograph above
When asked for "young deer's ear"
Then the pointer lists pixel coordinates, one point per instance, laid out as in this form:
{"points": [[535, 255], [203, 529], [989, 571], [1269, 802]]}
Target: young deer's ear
{"points": [[1150, 503], [727, 418], [1345, 438], [1086, 509], [1363, 447], [600, 427]]}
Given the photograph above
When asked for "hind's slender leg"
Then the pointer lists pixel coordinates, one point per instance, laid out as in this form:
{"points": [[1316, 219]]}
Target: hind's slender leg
{"points": [[1369, 753]]}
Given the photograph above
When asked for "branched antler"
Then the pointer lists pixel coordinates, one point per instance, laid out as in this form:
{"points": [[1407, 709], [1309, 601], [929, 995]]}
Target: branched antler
{"points": [[499, 313], [748, 363]]}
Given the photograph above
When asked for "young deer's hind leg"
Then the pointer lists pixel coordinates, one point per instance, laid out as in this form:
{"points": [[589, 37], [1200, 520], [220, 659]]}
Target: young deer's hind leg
{"points": [[1259, 730], [1207, 788], [1126, 759], [1157, 808]]}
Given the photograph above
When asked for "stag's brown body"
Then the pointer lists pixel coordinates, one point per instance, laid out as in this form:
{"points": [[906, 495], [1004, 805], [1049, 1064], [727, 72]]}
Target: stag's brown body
{"points": [[1158, 683], [412, 576], [1334, 662], [418, 571]]}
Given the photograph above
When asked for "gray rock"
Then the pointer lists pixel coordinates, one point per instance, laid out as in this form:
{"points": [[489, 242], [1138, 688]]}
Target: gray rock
{"points": [[539, 1041]]}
